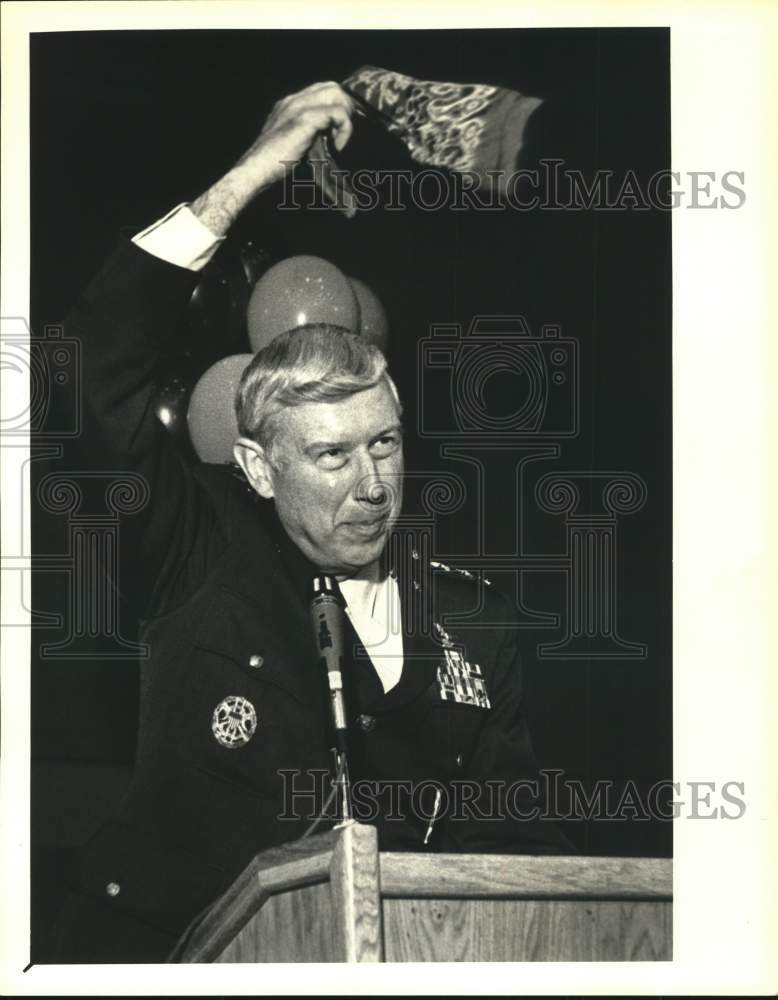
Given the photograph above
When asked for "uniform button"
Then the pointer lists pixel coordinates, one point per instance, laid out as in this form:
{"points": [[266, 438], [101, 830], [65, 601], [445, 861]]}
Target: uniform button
{"points": [[366, 723], [113, 888], [459, 760], [256, 660]]}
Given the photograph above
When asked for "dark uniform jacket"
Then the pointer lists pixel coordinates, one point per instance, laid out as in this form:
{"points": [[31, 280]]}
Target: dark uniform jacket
{"points": [[228, 618]]}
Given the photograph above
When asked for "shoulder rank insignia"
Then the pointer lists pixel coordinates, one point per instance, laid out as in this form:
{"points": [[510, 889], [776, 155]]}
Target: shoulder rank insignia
{"points": [[461, 681], [456, 571]]}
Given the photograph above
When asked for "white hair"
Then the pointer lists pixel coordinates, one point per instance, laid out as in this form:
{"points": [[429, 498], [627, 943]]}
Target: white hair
{"points": [[317, 362]]}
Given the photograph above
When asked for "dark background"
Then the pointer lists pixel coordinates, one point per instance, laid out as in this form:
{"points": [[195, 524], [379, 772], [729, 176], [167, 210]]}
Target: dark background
{"points": [[125, 125]]}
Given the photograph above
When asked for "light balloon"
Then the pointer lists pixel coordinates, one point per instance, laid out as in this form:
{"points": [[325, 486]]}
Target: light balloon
{"points": [[213, 426], [297, 291]]}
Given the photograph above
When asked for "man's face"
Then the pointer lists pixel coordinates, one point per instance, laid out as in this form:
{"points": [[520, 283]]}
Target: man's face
{"points": [[337, 481]]}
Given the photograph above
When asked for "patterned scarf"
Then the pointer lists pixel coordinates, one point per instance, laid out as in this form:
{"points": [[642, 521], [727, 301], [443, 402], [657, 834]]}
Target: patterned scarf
{"points": [[470, 127]]}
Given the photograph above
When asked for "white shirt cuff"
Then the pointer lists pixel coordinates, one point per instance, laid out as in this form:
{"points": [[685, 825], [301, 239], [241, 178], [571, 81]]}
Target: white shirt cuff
{"points": [[180, 238]]}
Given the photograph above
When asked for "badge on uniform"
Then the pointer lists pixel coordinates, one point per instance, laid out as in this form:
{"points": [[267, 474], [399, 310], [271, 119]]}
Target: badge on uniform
{"points": [[234, 722], [461, 681]]}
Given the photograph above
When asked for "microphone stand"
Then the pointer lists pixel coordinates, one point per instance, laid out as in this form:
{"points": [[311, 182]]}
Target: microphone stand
{"points": [[327, 620], [343, 786], [340, 750]]}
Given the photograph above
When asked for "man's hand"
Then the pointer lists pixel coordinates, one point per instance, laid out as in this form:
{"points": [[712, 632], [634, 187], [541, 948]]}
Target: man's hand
{"points": [[286, 137]]}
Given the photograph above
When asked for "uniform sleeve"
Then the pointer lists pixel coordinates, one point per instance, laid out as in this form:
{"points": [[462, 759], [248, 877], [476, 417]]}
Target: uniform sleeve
{"points": [[507, 814], [123, 321], [179, 238]]}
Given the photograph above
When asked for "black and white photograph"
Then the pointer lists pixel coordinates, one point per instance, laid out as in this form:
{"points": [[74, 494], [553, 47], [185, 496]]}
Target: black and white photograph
{"points": [[349, 541]]}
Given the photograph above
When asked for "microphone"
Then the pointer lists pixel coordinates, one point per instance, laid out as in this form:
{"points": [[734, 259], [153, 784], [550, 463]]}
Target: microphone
{"points": [[327, 621]]}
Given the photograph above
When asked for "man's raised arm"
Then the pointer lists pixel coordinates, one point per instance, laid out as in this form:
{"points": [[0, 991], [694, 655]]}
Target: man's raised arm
{"points": [[286, 137], [135, 303]]}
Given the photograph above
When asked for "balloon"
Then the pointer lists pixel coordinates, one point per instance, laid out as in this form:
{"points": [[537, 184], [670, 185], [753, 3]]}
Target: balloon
{"points": [[297, 291], [213, 426], [172, 390], [374, 326]]}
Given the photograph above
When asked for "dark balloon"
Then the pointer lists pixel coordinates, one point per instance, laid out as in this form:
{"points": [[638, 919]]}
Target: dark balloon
{"points": [[209, 307], [374, 326], [216, 314], [213, 427], [297, 291]]}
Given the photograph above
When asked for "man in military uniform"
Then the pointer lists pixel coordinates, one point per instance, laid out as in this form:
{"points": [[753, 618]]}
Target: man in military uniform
{"points": [[234, 730]]}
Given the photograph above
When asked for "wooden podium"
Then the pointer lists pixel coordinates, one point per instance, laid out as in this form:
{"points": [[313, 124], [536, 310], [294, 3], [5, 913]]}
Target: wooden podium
{"points": [[335, 898]]}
